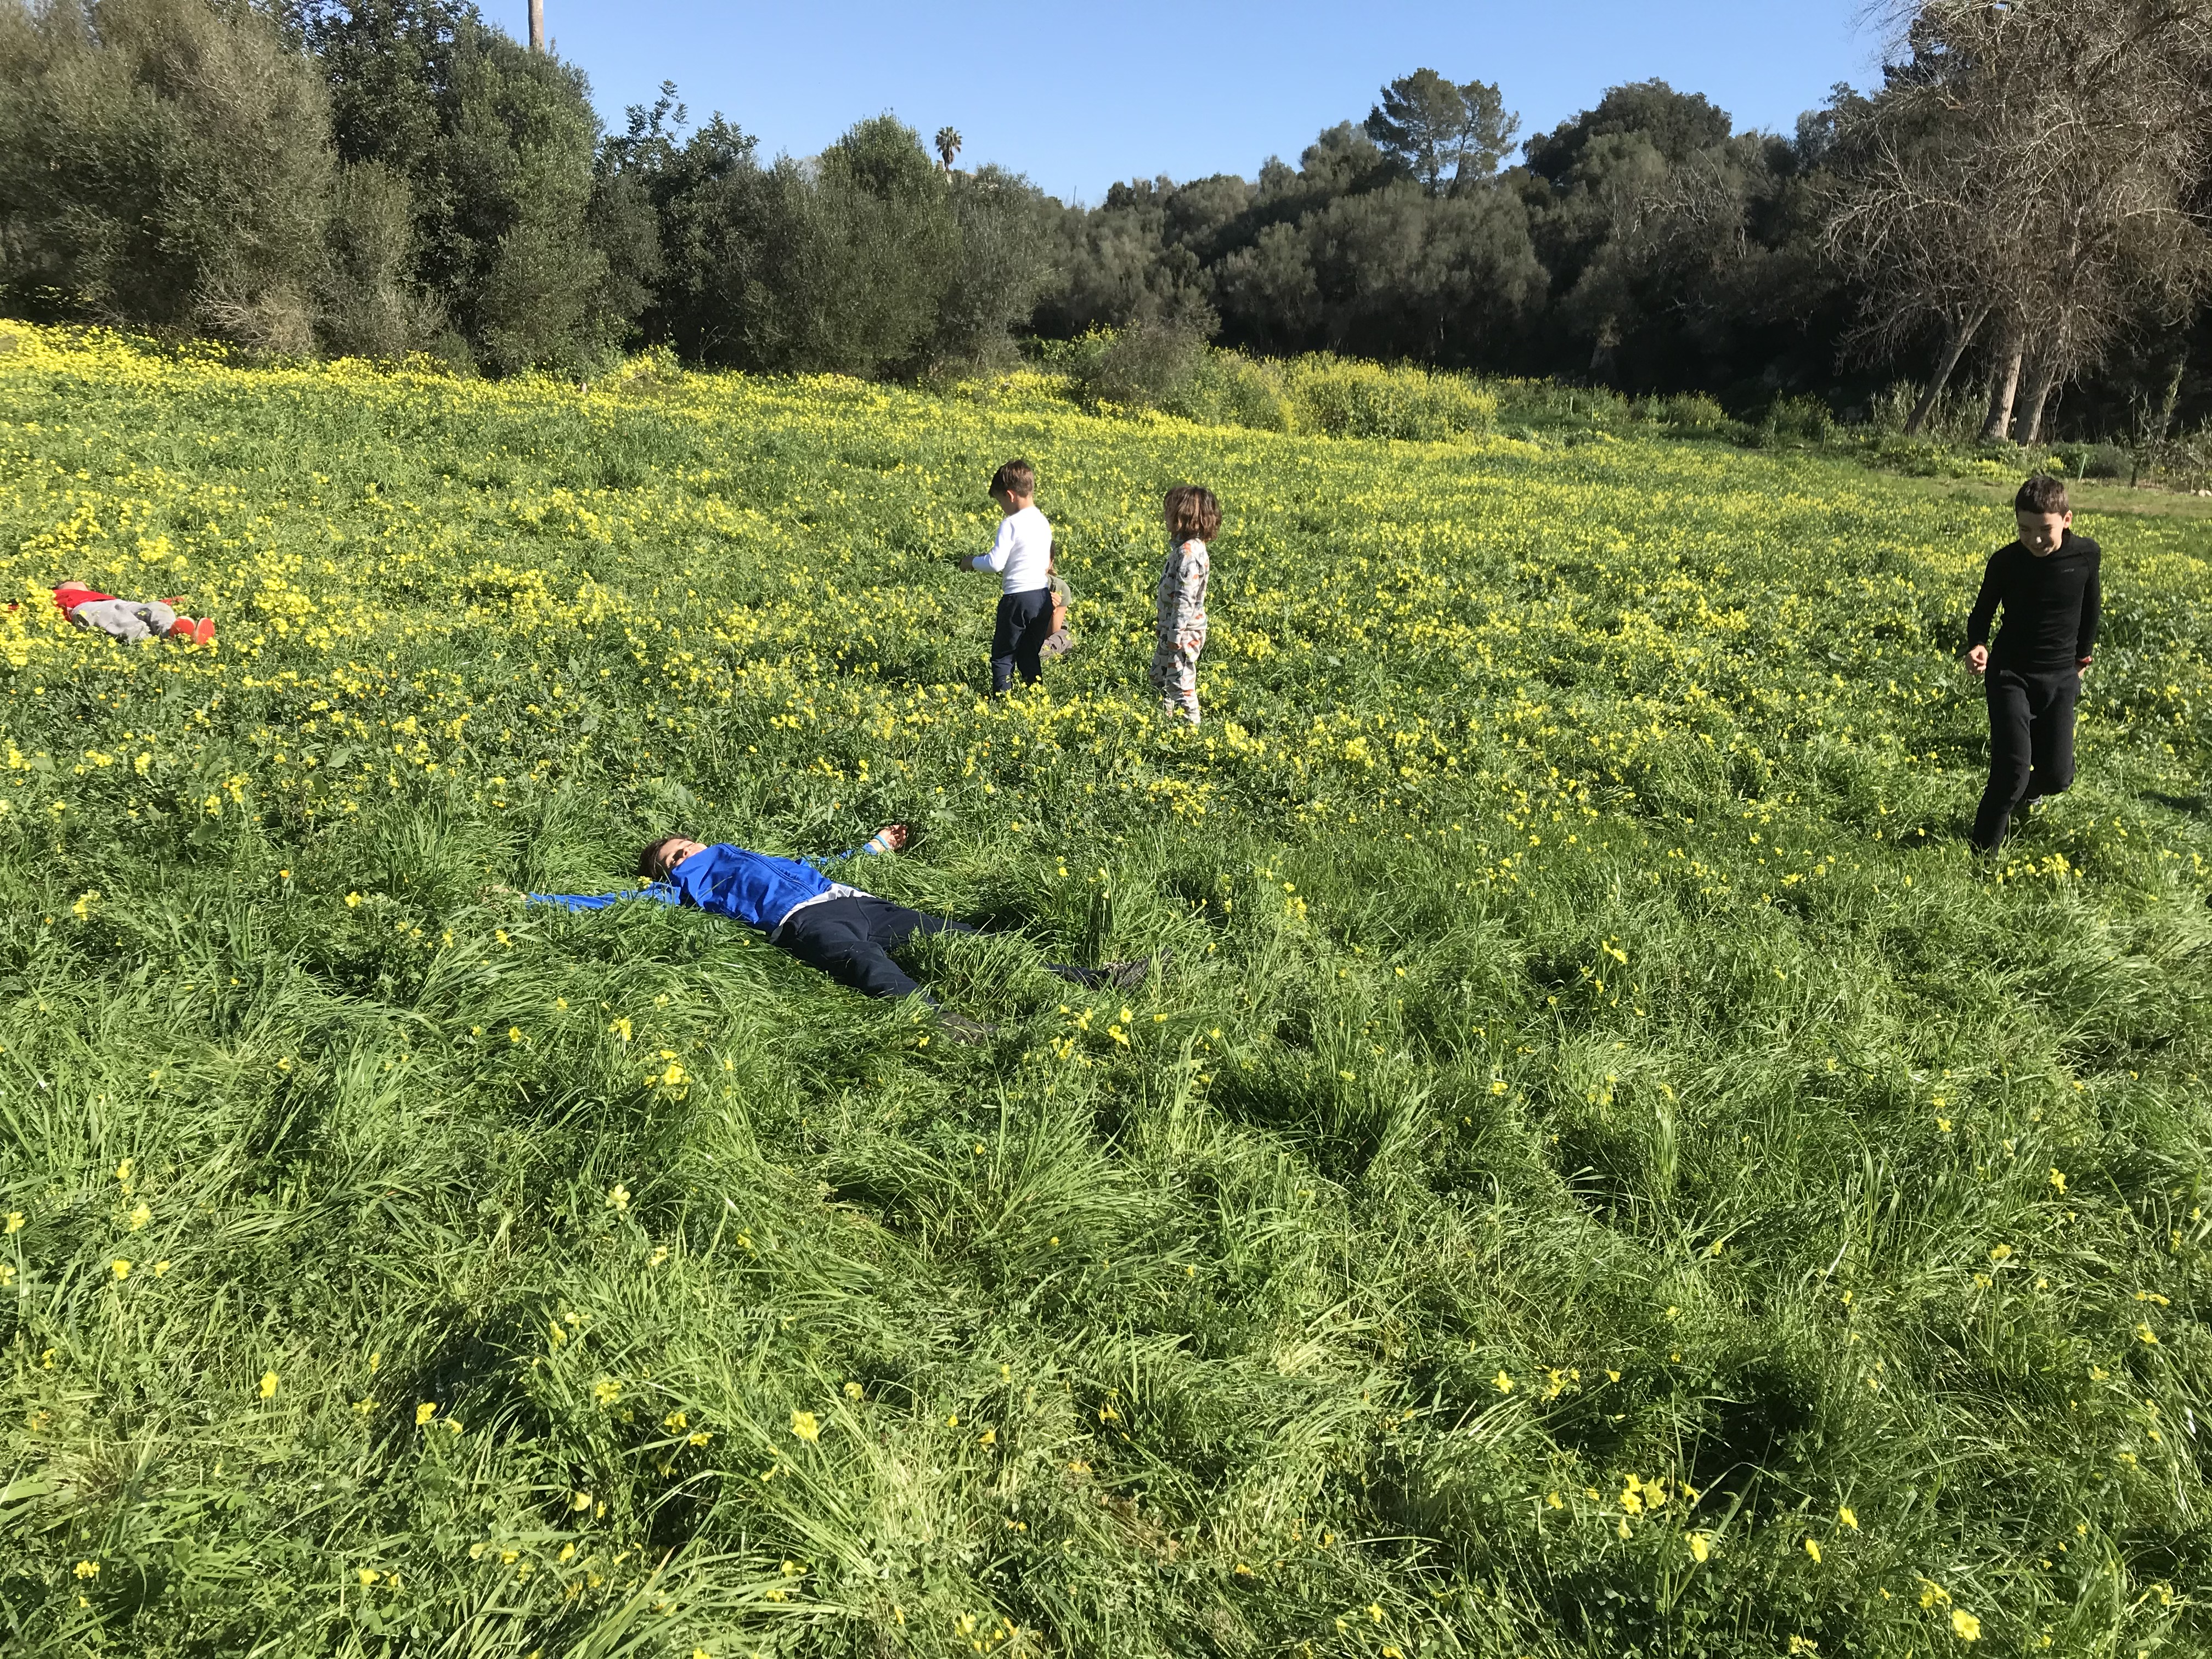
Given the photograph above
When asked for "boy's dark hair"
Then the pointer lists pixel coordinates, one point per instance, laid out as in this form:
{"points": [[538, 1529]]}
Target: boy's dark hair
{"points": [[1191, 511], [1014, 478], [2044, 492], [649, 864]]}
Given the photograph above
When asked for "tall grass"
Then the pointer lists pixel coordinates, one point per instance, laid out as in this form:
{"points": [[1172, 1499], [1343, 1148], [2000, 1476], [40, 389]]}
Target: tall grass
{"points": [[1606, 1173]]}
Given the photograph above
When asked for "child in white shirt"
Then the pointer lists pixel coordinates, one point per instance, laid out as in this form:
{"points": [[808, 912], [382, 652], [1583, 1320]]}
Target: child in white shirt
{"points": [[1021, 557]]}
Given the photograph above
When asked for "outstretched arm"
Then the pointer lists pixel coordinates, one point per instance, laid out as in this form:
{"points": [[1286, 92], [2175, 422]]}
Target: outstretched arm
{"points": [[1002, 548], [661, 892], [889, 839]]}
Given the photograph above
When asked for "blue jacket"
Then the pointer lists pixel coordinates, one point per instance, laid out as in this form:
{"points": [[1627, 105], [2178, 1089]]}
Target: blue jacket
{"points": [[752, 888]]}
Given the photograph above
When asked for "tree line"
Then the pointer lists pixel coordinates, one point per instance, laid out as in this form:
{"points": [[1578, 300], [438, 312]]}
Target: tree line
{"points": [[2020, 207]]}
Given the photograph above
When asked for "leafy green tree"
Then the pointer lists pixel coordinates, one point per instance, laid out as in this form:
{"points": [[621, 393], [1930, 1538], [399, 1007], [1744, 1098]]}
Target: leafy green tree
{"points": [[1677, 125], [163, 163], [1005, 227], [1446, 136], [369, 303], [1680, 253], [516, 232], [870, 261]]}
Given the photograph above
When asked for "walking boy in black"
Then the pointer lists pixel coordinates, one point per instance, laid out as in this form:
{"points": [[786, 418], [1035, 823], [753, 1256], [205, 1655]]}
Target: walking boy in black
{"points": [[2046, 584]]}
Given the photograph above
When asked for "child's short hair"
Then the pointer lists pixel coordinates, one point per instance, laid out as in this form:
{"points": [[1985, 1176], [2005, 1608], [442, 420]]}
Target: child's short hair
{"points": [[1191, 511], [2044, 492], [1014, 478], [650, 865]]}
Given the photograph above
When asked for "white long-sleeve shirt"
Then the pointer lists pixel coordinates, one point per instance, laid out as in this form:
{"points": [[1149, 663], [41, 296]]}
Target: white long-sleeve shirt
{"points": [[1020, 553]]}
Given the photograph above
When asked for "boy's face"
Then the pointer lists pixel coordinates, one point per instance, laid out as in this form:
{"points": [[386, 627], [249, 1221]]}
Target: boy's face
{"points": [[675, 850], [2040, 533]]}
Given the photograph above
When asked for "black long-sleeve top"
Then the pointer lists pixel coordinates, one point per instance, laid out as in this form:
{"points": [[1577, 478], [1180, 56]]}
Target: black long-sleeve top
{"points": [[2051, 606]]}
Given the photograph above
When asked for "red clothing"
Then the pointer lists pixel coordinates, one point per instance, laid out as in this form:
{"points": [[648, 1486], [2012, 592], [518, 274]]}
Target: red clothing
{"points": [[70, 595]]}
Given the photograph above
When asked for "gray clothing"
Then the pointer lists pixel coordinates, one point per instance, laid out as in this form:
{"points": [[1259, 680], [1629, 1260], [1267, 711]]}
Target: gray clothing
{"points": [[127, 619]]}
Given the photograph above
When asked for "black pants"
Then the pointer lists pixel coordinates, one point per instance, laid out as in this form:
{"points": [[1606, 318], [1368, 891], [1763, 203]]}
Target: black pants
{"points": [[2030, 742], [1024, 624], [851, 941]]}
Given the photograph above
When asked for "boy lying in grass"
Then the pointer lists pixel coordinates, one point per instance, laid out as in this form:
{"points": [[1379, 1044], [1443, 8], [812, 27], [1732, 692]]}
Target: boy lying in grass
{"points": [[846, 934]]}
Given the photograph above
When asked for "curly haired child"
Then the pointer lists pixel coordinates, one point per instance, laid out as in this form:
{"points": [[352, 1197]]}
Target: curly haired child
{"points": [[1192, 518]]}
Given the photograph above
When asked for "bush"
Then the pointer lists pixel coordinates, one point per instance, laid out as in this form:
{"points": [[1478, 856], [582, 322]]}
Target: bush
{"points": [[1808, 418], [1542, 403], [1691, 412], [1227, 388], [2092, 460], [1150, 365], [1347, 398]]}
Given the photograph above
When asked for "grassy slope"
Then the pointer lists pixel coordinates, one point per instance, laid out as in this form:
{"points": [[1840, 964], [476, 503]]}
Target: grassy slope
{"points": [[1592, 1183]]}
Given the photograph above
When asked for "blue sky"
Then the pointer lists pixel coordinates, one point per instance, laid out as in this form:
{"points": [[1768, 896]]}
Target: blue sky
{"points": [[1079, 96]]}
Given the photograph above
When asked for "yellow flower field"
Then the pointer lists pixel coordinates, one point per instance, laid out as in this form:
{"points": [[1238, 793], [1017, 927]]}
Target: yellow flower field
{"points": [[1605, 1171]]}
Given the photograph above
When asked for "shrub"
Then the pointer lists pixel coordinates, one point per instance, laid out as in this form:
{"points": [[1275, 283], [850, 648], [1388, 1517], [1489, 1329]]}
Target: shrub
{"points": [[2093, 460], [1347, 398], [1808, 418], [1691, 412], [1227, 388], [1150, 365]]}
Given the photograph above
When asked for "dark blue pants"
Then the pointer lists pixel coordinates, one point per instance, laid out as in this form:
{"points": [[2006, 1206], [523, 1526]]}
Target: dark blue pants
{"points": [[851, 941], [1024, 624], [2031, 744]]}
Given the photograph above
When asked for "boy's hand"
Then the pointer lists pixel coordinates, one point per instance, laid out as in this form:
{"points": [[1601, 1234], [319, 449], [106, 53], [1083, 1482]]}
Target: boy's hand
{"points": [[893, 836], [1977, 658]]}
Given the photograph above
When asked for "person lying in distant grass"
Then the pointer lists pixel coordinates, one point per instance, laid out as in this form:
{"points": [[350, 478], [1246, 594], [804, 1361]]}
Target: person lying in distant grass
{"points": [[130, 619], [846, 932]]}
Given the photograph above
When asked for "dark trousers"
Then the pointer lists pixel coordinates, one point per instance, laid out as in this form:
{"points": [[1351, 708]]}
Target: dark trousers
{"points": [[2030, 742], [851, 941], [1024, 624]]}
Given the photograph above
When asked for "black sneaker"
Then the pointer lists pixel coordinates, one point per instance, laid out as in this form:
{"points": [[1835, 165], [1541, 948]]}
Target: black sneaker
{"points": [[961, 1028], [1128, 975]]}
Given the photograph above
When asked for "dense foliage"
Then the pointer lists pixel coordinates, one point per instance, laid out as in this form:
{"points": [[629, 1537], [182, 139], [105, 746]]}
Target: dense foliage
{"points": [[1607, 1172], [376, 177]]}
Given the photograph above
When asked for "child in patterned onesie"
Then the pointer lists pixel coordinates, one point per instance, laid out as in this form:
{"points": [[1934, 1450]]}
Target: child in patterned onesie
{"points": [[1193, 519]]}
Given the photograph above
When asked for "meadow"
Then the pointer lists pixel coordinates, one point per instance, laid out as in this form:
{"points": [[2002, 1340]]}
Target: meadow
{"points": [[1606, 1173]]}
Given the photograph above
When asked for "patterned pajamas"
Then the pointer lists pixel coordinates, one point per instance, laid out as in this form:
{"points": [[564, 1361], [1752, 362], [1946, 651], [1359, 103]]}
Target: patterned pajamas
{"points": [[1175, 672], [1182, 604]]}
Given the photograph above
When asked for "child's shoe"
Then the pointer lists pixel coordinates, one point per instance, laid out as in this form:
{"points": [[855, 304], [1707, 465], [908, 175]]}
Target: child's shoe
{"points": [[203, 631], [181, 629]]}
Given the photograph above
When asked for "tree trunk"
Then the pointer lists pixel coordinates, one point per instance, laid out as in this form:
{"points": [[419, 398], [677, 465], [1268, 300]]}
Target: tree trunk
{"points": [[1997, 426], [2049, 362], [2041, 383], [537, 25], [1962, 336]]}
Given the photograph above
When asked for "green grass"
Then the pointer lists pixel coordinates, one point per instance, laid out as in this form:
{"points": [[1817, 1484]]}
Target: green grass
{"points": [[1592, 1183]]}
